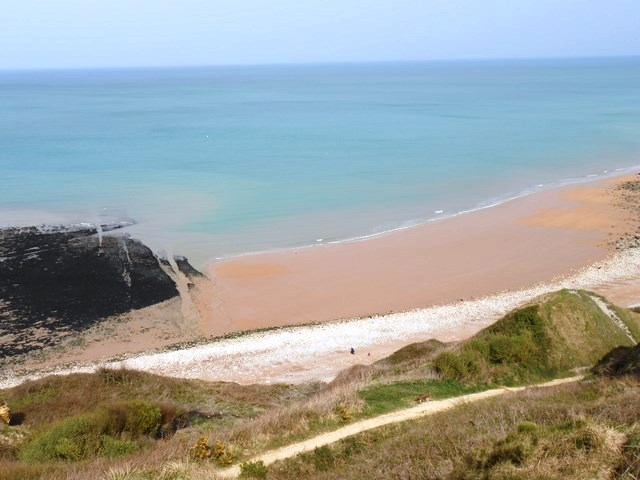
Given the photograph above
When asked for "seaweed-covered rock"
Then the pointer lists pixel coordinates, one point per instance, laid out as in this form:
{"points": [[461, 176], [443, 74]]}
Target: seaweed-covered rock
{"points": [[60, 281]]}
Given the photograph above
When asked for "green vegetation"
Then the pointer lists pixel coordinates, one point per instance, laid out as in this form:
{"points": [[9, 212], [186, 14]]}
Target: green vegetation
{"points": [[217, 452], [413, 354], [122, 413], [561, 332], [543, 340], [256, 470], [516, 349], [383, 398], [51, 398], [128, 424], [109, 432], [574, 431]]}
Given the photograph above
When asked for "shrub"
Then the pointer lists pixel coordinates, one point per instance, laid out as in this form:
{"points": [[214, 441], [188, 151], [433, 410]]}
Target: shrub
{"points": [[66, 440], [466, 365], [343, 412], [256, 470], [133, 418], [68, 449], [143, 418], [202, 450], [515, 453], [110, 430], [115, 447], [515, 449], [217, 452], [323, 458], [450, 366], [352, 446], [587, 439]]}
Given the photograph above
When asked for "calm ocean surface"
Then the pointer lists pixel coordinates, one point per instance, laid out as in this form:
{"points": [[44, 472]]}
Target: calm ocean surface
{"points": [[227, 160]]}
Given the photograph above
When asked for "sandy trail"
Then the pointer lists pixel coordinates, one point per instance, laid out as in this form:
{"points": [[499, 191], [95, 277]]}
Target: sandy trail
{"points": [[426, 408]]}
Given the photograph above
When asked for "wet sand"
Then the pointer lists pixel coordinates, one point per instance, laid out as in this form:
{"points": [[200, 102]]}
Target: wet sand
{"points": [[511, 246]]}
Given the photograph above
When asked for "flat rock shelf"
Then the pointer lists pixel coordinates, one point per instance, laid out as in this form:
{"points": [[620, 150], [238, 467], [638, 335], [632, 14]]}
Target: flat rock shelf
{"points": [[58, 281]]}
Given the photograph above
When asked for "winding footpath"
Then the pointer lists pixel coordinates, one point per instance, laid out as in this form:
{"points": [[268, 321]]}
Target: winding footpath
{"points": [[426, 408]]}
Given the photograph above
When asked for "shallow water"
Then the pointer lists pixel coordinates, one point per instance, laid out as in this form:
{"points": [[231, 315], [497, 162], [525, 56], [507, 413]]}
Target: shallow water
{"points": [[228, 160]]}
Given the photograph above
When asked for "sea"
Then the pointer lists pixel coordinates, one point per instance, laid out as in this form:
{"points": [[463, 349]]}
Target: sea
{"points": [[211, 162]]}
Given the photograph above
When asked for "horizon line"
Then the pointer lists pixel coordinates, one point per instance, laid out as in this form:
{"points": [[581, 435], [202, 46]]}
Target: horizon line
{"points": [[318, 63]]}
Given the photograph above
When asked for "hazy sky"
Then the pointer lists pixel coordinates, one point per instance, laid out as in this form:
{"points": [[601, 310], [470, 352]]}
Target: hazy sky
{"points": [[100, 33]]}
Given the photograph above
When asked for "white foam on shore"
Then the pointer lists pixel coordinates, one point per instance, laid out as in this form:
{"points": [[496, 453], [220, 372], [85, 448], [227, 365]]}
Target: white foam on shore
{"points": [[301, 349]]}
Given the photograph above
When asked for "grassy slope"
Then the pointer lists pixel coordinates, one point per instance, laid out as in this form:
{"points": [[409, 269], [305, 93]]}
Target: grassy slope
{"points": [[86, 408], [51, 398], [552, 335], [586, 430], [581, 333], [548, 338], [570, 432], [559, 332]]}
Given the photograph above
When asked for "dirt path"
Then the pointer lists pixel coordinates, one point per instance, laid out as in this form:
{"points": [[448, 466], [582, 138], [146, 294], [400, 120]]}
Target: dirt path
{"points": [[427, 408]]}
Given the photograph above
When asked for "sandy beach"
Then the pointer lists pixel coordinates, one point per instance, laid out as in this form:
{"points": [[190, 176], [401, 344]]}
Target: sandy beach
{"points": [[446, 280], [511, 246], [318, 352]]}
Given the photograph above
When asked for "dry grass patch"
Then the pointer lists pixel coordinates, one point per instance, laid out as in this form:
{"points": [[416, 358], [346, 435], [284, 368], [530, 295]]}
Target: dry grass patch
{"points": [[567, 432], [81, 418], [332, 406]]}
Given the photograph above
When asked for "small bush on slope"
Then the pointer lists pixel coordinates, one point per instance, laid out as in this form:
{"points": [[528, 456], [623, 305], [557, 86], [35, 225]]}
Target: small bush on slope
{"points": [[256, 470], [516, 347], [112, 430]]}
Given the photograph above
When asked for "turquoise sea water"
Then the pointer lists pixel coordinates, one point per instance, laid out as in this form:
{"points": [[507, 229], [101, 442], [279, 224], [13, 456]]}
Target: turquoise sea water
{"points": [[227, 160]]}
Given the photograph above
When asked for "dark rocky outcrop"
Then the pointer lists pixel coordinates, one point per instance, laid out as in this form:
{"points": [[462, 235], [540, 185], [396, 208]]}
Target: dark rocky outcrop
{"points": [[185, 267], [620, 361], [60, 281]]}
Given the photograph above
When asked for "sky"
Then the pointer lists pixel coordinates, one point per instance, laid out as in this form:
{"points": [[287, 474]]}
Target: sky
{"points": [[45, 34]]}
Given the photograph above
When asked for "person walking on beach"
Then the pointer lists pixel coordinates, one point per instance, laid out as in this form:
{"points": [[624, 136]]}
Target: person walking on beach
{"points": [[353, 351]]}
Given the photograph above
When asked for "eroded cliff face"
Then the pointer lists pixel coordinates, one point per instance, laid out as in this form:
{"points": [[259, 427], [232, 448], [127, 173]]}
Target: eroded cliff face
{"points": [[57, 282]]}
